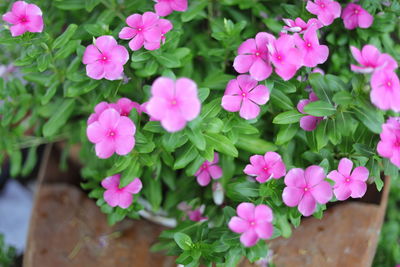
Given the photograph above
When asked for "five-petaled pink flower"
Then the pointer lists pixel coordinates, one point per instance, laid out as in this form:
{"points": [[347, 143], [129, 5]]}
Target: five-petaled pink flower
{"points": [[355, 16], [165, 7], [348, 183], [122, 197], [306, 188], [25, 18], [266, 167], [112, 133], [371, 59], [174, 103], [389, 145], [252, 222], [326, 10], [123, 106], [143, 30], [105, 59], [385, 93], [253, 57], [299, 25], [309, 122], [209, 170], [286, 58], [244, 95], [313, 52]]}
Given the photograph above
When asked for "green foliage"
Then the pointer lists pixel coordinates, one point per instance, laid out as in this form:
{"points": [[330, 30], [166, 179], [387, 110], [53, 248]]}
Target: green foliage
{"points": [[7, 253]]}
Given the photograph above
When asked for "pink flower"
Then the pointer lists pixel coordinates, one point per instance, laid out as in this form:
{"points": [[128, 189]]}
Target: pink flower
{"points": [[326, 10], [385, 93], [253, 57], [25, 18], [349, 183], [309, 122], [174, 103], [125, 105], [209, 170], [165, 26], [306, 188], [252, 222], [299, 25], [355, 16], [313, 52], [98, 109], [143, 30], [197, 214], [112, 133], [105, 59], [286, 58], [371, 59], [244, 95], [389, 145], [266, 167], [165, 7], [122, 197]]}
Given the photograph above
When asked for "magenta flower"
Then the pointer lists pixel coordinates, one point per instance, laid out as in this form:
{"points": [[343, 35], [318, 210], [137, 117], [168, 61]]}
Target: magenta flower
{"points": [[112, 133], [266, 167], [25, 18], [299, 25], [105, 59], [98, 109], [209, 170], [166, 7], [143, 30], [174, 103], [244, 95], [306, 188], [313, 52], [371, 59], [349, 183], [385, 93], [309, 122], [253, 57], [122, 197], [197, 214], [252, 222], [389, 145], [355, 16], [326, 10], [286, 58], [125, 105], [165, 26]]}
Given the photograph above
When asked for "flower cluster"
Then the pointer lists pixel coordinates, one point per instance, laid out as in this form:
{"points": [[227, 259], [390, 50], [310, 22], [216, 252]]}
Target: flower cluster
{"points": [[114, 195]]}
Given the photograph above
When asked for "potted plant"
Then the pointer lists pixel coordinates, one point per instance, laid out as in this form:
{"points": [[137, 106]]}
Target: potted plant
{"points": [[227, 120]]}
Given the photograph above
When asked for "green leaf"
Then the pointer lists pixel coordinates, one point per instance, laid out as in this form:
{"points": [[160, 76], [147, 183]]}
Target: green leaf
{"points": [[69, 4], [343, 98], [167, 60], [321, 135], [67, 50], [91, 4], [319, 109], [183, 240], [185, 156], [153, 127], [153, 192], [43, 62], [286, 133], [221, 144], [254, 144], [369, 116], [242, 191], [16, 162], [194, 10], [59, 118], [63, 39], [197, 138], [364, 150], [50, 92], [291, 116], [284, 86], [132, 172], [279, 99]]}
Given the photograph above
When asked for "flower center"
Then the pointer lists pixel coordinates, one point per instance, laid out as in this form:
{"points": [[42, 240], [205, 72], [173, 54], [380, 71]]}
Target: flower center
{"points": [[252, 223], [244, 94], [140, 29], [124, 114], [279, 57], [308, 44], [258, 54], [347, 180], [173, 102], [23, 19], [322, 5], [306, 189], [397, 143], [111, 133], [356, 11], [389, 84]]}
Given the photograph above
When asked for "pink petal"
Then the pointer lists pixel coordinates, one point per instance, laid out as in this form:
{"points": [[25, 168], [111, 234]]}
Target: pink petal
{"points": [[350, 22], [322, 192], [124, 144], [309, 123], [358, 189], [337, 177], [259, 95], [179, 5], [249, 238], [360, 173], [95, 132], [125, 126], [152, 35], [19, 8], [326, 18], [342, 192], [35, 23], [91, 55], [345, 166], [134, 187], [149, 19], [137, 42], [302, 103], [257, 161], [264, 230], [287, 71], [291, 196], [233, 88], [321, 54], [371, 54], [395, 158], [105, 149], [186, 93], [125, 200], [127, 33], [215, 171], [295, 178], [231, 103], [111, 197], [242, 63], [260, 70], [238, 225], [262, 39], [365, 19], [247, 47], [314, 175], [163, 8], [250, 170], [111, 182], [307, 205], [163, 87], [95, 70], [105, 43], [203, 178], [109, 118], [246, 83], [113, 71], [246, 210], [249, 109], [312, 8], [134, 21], [263, 213], [173, 121], [10, 18], [165, 25], [18, 29], [385, 149], [357, 55], [216, 158], [34, 10], [156, 107]]}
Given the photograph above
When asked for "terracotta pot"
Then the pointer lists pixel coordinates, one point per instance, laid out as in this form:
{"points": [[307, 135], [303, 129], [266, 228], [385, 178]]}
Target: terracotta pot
{"points": [[68, 229]]}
